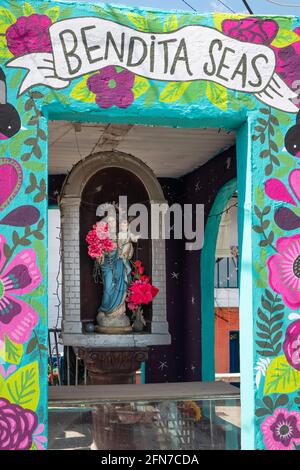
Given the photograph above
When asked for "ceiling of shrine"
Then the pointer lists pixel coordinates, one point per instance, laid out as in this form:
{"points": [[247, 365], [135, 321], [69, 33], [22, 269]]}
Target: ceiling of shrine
{"points": [[170, 152]]}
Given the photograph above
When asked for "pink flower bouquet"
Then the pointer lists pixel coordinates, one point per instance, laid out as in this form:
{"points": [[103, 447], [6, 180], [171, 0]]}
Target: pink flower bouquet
{"points": [[99, 241]]}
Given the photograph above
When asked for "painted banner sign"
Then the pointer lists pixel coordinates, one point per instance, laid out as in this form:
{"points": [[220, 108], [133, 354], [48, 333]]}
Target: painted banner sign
{"points": [[86, 44]]}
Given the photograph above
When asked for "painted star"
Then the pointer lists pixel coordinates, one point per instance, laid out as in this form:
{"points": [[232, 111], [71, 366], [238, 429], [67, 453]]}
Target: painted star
{"points": [[175, 275], [193, 300], [162, 365]]}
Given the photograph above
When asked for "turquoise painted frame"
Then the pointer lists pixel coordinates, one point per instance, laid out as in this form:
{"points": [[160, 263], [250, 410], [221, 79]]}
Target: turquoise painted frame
{"points": [[207, 279], [268, 176]]}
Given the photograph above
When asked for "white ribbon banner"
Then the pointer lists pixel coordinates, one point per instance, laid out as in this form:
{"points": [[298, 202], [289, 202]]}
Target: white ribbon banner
{"points": [[87, 44]]}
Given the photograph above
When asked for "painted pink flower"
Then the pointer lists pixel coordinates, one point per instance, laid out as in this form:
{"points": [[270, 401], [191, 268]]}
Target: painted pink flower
{"points": [[284, 270], [29, 34], [254, 30], [281, 431], [19, 277], [291, 345], [38, 438], [112, 88], [288, 61], [16, 426]]}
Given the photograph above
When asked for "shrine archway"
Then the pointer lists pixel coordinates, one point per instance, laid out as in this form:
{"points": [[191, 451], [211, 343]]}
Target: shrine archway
{"points": [[98, 179]]}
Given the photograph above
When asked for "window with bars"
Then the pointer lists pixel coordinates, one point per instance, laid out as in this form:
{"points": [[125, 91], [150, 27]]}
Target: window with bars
{"points": [[226, 273]]}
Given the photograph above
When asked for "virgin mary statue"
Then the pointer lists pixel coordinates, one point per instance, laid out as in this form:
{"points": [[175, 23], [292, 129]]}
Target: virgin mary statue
{"points": [[116, 275]]}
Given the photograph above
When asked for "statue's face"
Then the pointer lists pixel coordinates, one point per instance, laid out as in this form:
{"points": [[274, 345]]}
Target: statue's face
{"points": [[124, 226], [112, 224]]}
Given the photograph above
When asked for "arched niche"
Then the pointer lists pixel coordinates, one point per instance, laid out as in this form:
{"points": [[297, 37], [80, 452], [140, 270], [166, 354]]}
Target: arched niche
{"points": [[101, 178]]}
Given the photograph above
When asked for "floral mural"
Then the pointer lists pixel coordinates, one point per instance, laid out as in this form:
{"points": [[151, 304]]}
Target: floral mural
{"points": [[117, 92]]}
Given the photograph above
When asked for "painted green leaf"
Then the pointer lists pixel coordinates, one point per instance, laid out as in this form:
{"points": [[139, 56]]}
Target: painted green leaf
{"points": [[18, 142], [13, 351], [39, 292], [285, 37], [261, 283], [6, 19], [1, 384], [281, 377], [154, 23], [139, 21], [259, 196], [140, 86], [34, 166], [187, 19], [41, 252], [80, 92], [287, 160], [22, 387], [63, 99], [4, 51], [283, 118], [100, 11], [220, 17], [171, 23], [49, 98], [195, 91], [285, 22], [281, 172], [217, 95], [246, 100], [28, 9], [173, 91], [151, 96], [53, 13], [15, 79], [38, 307], [67, 12]]}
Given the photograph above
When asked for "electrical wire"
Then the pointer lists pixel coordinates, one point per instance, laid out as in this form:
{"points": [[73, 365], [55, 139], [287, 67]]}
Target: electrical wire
{"points": [[247, 6], [192, 8], [57, 292], [226, 6], [283, 4]]}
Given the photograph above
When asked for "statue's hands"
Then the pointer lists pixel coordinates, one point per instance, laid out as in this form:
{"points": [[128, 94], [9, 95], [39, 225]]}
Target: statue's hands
{"points": [[100, 259], [134, 238]]}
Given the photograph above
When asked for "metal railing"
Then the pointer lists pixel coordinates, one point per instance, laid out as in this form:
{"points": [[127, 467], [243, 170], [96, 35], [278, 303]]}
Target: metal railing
{"points": [[64, 365]]}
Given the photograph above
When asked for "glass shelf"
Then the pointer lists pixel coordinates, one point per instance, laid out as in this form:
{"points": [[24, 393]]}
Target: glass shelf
{"points": [[145, 424]]}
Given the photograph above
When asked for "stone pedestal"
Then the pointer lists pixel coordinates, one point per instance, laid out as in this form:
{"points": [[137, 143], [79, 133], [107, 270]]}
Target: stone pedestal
{"points": [[112, 366]]}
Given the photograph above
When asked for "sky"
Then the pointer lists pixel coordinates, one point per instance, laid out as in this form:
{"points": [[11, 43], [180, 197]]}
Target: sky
{"points": [[258, 6]]}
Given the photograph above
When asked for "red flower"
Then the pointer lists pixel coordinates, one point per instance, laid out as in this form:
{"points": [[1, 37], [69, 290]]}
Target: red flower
{"points": [[154, 291], [141, 292], [139, 269]]}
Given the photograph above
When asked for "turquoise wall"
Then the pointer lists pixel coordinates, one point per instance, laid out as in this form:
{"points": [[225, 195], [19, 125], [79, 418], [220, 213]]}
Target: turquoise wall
{"points": [[234, 90]]}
